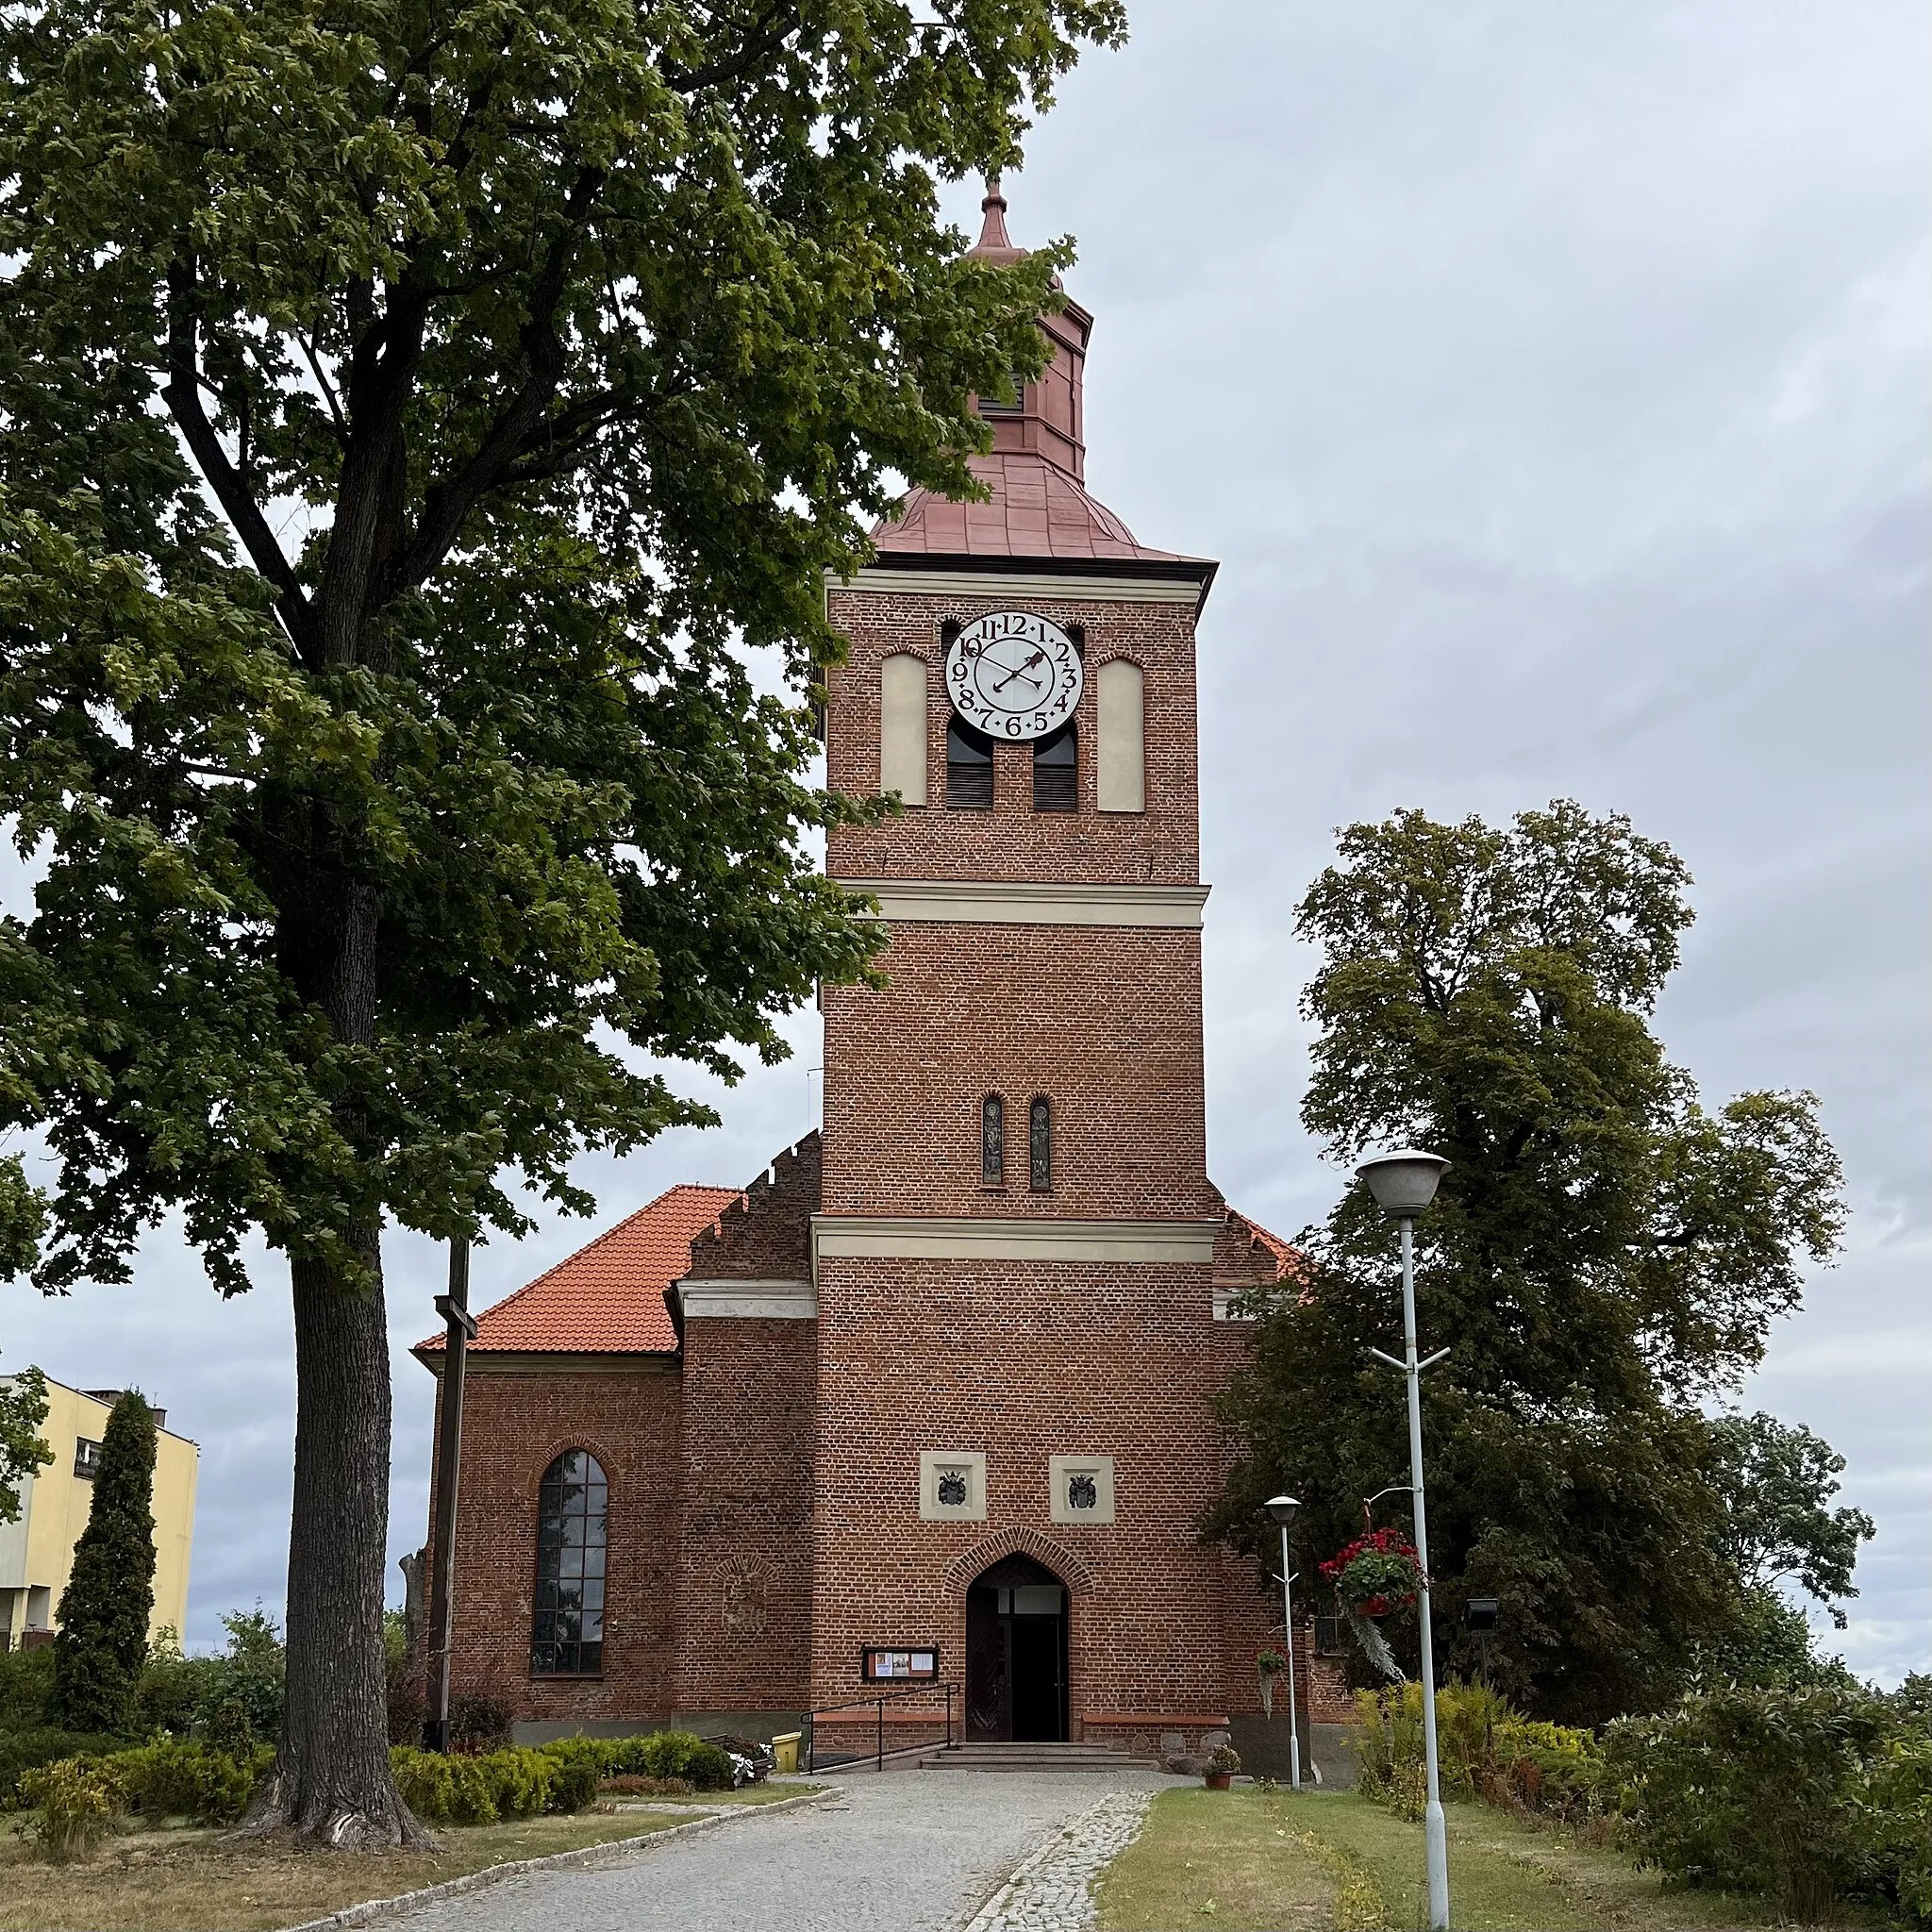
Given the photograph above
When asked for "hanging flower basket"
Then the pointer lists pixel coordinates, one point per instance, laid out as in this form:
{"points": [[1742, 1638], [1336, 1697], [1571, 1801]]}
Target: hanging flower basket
{"points": [[1269, 1664], [1376, 1572]]}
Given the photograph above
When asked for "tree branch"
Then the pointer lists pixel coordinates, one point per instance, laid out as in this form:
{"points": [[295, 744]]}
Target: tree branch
{"points": [[767, 34], [182, 394], [448, 505]]}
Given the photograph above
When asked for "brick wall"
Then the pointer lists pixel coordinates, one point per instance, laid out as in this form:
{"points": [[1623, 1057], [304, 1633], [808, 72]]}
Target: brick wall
{"points": [[1023, 1361], [514, 1424], [767, 1237], [1105, 1021], [1012, 840]]}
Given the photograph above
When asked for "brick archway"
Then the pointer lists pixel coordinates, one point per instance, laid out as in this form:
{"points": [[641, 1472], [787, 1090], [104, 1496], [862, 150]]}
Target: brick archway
{"points": [[1075, 1572]]}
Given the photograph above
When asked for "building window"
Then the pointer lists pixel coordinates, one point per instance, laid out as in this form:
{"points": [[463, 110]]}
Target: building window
{"points": [[1056, 770], [902, 727], [86, 1459], [567, 1637], [1120, 763], [993, 1141], [968, 767], [1040, 1145]]}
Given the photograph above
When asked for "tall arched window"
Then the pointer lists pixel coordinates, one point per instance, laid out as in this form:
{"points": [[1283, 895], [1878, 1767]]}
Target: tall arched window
{"points": [[572, 1508], [968, 767], [1056, 770], [993, 1141], [1040, 1145]]}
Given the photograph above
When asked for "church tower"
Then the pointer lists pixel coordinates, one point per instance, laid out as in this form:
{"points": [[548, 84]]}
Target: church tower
{"points": [[1014, 1251]]}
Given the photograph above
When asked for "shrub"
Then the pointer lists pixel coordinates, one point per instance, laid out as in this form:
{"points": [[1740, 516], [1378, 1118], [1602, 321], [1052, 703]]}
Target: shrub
{"points": [[1798, 1792], [1225, 1761], [75, 1800], [710, 1769], [1484, 1750], [658, 1753], [479, 1719], [625, 1786], [171, 1778], [455, 1790], [577, 1766], [102, 1645], [24, 1751], [26, 1687]]}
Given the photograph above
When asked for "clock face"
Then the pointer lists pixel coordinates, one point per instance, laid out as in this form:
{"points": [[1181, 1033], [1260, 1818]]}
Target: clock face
{"points": [[1014, 674]]}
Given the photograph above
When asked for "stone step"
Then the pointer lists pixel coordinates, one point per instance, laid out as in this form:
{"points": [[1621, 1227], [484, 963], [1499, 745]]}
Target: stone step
{"points": [[1034, 1756]]}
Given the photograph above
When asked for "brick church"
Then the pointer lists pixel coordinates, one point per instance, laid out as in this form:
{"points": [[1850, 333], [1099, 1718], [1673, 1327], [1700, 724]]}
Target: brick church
{"points": [[927, 1401]]}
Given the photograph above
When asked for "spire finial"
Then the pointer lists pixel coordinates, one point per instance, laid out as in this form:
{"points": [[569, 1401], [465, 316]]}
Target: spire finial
{"points": [[995, 245]]}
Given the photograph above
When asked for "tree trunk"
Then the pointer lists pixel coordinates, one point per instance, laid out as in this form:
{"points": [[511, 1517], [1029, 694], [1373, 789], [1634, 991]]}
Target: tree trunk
{"points": [[331, 1780]]}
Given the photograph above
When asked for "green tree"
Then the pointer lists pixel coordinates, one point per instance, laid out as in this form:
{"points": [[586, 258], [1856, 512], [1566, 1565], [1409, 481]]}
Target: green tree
{"points": [[1602, 1251], [406, 413], [22, 1409], [102, 1644], [1777, 1482]]}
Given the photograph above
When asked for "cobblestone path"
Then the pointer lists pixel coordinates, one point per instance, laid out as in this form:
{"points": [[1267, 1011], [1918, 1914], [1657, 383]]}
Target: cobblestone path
{"points": [[913, 1851], [1052, 1891]]}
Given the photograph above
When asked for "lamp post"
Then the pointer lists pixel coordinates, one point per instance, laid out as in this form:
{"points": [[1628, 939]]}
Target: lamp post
{"points": [[1282, 1510], [460, 1330], [1404, 1184]]}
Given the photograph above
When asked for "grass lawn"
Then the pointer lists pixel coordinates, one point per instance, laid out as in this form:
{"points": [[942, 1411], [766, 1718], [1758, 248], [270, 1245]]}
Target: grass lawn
{"points": [[177, 1879], [1275, 1861]]}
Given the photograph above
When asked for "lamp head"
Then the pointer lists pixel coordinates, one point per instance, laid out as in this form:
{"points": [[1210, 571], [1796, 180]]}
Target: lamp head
{"points": [[1402, 1182], [1479, 1613], [1282, 1509]]}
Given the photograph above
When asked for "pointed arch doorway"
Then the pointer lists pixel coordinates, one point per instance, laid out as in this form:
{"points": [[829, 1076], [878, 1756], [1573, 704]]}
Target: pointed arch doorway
{"points": [[1016, 1654]]}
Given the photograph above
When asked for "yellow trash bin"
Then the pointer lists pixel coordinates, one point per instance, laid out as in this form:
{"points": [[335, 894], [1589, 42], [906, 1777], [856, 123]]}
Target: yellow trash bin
{"points": [[785, 1750]]}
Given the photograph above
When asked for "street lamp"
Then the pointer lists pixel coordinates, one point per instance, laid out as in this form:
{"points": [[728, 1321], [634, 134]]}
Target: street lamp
{"points": [[1282, 1510], [1404, 1184]]}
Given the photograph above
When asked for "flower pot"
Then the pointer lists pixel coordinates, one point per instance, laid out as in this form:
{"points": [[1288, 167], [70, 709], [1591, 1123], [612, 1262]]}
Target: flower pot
{"points": [[1220, 1780]]}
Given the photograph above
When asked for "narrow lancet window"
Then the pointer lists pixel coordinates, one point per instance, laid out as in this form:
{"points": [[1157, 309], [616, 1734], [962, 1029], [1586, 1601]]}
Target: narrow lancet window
{"points": [[1040, 1145], [993, 1141]]}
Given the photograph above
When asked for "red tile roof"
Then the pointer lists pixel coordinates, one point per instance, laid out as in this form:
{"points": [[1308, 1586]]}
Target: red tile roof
{"points": [[608, 1297], [1285, 1256], [1037, 510]]}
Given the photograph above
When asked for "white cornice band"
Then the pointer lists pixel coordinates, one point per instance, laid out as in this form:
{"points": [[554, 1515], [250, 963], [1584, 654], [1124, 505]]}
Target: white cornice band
{"points": [[1033, 902], [748, 1301], [1022, 584], [991, 1238]]}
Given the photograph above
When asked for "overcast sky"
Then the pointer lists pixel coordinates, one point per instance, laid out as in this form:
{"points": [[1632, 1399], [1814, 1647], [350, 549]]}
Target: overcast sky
{"points": [[1552, 383]]}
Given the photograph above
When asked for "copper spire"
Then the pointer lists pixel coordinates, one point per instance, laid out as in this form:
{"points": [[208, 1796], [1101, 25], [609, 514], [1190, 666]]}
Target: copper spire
{"points": [[995, 245]]}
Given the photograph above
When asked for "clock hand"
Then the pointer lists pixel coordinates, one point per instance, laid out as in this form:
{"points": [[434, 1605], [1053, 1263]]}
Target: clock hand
{"points": [[1020, 671]]}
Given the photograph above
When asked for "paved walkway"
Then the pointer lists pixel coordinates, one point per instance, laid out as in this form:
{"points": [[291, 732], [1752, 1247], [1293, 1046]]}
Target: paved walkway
{"points": [[1052, 1891], [911, 1851]]}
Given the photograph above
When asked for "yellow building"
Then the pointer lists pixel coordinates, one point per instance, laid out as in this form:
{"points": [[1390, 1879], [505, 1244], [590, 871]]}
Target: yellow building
{"points": [[37, 1549]]}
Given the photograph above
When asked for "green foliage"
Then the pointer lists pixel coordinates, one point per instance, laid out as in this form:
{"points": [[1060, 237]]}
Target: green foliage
{"points": [[26, 1687], [457, 1790], [204, 1783], [1780, 1481], [28, 1749], [1602, 1251], [709, 1767], [1485, 1749], [574, 1781], [1813, 1794], [23, 1397], [102, 1644], [74, 1802], [586, 349], [1768, 1647], [236, 1696]]}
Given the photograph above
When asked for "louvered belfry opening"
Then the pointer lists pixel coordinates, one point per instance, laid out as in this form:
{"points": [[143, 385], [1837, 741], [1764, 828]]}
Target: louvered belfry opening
{"points": [[969, 768], [1056, 770]]}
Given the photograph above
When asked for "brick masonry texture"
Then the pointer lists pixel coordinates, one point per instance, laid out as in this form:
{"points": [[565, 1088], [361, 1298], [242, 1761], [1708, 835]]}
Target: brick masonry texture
{"points": [[1012, 840]]}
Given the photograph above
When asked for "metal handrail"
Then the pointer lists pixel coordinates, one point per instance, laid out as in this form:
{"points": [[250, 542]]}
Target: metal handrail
{"points": [[880, 1699]]}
